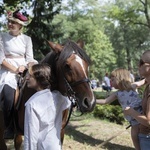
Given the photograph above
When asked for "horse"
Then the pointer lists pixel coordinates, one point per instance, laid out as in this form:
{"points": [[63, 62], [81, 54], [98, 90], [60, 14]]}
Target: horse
{"points": [[69, 67]]}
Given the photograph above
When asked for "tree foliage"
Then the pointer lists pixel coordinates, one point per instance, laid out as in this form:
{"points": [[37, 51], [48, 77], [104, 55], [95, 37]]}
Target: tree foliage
{"points": [[129, 35], [115, 33], [41, 15], [101, 52], [83, 25]]}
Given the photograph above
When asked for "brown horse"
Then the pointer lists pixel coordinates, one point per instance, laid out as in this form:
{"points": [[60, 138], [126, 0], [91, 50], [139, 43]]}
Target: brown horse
{"points": [[69, 65]]}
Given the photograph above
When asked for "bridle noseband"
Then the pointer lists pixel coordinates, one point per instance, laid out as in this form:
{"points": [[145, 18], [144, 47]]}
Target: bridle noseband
{"points": [[79, 82], [69, 91], [71, 95]]}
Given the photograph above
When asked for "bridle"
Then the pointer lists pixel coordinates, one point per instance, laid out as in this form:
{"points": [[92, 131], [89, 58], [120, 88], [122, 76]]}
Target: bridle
{"points": [[79, 82], [69, 88], [70, 93]]}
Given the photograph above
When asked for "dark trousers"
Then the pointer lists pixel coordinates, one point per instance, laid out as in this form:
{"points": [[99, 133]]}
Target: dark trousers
{"points": [[8, 95], [106, 88]]}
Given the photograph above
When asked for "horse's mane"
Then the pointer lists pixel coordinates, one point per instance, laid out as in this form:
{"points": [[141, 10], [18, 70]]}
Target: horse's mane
{"points": [[51, 59], [68, 49]]}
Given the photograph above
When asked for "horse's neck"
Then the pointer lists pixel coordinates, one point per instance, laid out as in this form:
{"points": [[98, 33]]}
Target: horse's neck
{"points": [[56, 75], [51, 59]]}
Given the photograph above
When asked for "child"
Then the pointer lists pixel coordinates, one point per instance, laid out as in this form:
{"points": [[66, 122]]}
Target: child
{"points": [[43, 111], [127, 96]]}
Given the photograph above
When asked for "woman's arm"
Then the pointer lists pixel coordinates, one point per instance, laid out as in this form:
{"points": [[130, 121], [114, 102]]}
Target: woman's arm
{"points": [[138, 84], [143, 119], [29, 52], [108, 100], [9, 67], [12, 68]]}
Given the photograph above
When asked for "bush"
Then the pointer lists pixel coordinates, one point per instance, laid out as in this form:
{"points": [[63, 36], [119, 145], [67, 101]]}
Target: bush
{"points": [[111, 112]]}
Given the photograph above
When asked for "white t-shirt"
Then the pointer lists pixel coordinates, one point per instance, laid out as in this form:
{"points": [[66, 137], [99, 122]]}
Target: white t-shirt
{"points": [[107, 81], [43, 120]]}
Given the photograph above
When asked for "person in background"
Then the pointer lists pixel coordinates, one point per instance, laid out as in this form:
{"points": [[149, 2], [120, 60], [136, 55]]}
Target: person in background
{"points": [[16, 54], [127, 96], [144, 118], [94, 83], [43, 111], [106, 85]]}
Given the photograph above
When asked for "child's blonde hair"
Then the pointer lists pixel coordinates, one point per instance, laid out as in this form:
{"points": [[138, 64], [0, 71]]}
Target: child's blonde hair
{"points": [[123, 79]]}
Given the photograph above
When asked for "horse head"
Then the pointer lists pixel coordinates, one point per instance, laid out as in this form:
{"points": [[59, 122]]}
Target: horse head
{"points": [[71, 72]]}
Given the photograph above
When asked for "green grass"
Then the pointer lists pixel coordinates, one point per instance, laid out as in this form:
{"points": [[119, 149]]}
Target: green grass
{"points": [[87, 133]]}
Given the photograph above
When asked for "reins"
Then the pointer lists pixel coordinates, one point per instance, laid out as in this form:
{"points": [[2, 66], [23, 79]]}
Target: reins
{"points": [[21, 84], [71, 95]]}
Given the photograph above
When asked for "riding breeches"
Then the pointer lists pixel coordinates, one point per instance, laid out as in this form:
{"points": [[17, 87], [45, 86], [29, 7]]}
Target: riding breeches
{"points": [[8, 95]]}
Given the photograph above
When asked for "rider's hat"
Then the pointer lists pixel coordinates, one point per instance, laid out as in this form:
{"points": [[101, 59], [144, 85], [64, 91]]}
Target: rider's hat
{"points": [[18, 17]]}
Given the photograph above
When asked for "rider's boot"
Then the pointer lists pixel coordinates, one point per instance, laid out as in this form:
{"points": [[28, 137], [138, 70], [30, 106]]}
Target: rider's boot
{"points": [[9, 126]]}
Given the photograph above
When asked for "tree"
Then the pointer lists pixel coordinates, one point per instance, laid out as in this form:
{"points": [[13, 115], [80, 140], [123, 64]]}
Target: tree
{"points": [[129, 35], [101, 52], [40, 28], [83, 25]]}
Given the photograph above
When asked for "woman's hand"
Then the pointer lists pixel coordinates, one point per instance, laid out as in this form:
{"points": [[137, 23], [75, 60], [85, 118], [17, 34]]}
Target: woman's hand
{"points": [[127, 111], [21, 69]]}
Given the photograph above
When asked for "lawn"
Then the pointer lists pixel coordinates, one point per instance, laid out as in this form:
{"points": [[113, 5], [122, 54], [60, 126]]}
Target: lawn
{"points": [[88, 133]]}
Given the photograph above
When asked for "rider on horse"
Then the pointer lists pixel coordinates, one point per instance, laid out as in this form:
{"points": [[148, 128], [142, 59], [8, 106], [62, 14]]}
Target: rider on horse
{"points": [[16, 54]]}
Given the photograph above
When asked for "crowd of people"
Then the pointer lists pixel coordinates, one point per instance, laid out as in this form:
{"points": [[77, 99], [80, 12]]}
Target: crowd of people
{"points": [[42, 116]]}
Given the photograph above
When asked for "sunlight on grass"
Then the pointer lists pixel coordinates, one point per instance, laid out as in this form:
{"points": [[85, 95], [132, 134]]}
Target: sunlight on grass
{"points": [[88, 133]]}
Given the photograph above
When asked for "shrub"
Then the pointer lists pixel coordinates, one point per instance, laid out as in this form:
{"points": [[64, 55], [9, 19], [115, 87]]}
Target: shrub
{"points": [[111, 112]]}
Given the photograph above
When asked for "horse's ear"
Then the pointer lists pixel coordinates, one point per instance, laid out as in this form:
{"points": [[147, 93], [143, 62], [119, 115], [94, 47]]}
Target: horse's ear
{"points": [[80, 43], [55, 47]]}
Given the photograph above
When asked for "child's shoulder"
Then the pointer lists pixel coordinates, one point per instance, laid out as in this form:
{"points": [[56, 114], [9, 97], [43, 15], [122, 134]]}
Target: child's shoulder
{"points": [[125, 92]]}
